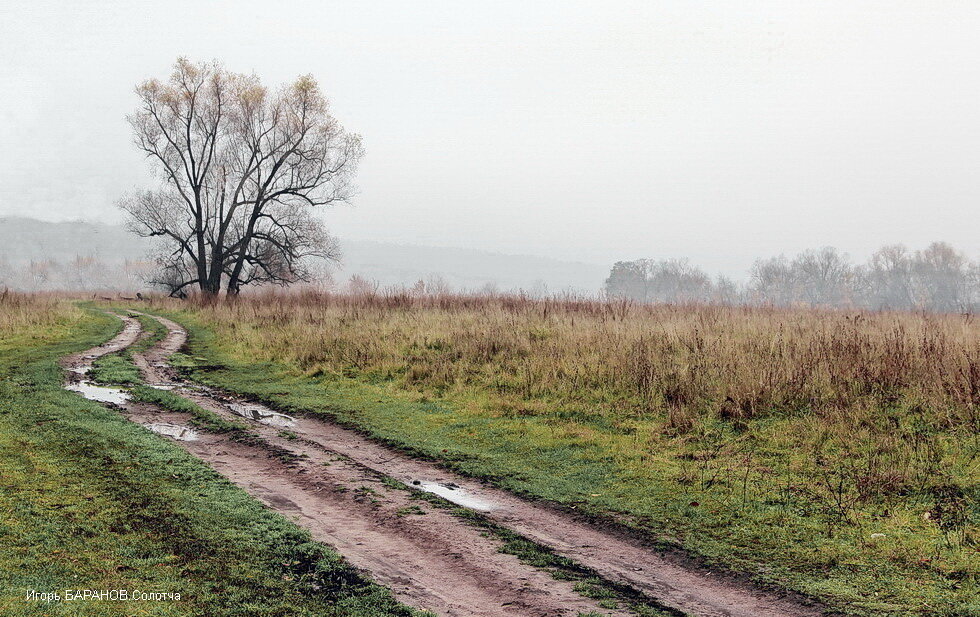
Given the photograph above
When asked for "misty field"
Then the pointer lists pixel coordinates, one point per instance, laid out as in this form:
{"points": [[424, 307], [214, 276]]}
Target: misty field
{"points": [[831, 452]]}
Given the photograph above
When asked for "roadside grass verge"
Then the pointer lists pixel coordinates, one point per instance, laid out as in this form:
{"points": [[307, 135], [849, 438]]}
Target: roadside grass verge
{"points": [[89, 500], [824, 452]]}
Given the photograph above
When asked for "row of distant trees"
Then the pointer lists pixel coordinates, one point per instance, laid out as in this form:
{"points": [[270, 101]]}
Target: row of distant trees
{"points": [[938, 278], [78, 274]]}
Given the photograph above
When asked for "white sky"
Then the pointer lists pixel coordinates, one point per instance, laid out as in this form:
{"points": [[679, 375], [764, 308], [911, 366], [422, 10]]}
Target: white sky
{"points": [[596, 131]]}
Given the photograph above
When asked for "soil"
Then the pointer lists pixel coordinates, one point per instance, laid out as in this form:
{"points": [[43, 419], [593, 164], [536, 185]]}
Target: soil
{"points": [[334, 487]]}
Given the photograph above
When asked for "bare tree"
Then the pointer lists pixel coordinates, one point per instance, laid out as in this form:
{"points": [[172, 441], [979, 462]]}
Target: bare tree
{"points": [[938, 278], [360, 286], [943, 278], [628, 279], [669, 280], [241, 171], [825, 276], [886, 281]]}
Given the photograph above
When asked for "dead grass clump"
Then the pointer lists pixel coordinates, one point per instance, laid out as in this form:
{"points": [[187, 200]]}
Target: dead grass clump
{"points": [[20, 311]]}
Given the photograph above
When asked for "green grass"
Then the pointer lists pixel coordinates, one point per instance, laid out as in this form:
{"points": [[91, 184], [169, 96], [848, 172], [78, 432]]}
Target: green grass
{"points": [[89, 500], [727, 492]]}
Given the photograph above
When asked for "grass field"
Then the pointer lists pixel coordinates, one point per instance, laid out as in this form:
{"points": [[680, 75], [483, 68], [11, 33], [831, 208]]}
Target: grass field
{"points": [[89, 500], [834, 453]]}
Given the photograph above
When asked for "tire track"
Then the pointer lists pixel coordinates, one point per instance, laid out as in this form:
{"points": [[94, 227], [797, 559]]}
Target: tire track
{"points": [[337, 486], [427, 556]]}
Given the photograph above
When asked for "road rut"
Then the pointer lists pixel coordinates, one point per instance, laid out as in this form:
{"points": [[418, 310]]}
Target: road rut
{"points": [[436, 560]]}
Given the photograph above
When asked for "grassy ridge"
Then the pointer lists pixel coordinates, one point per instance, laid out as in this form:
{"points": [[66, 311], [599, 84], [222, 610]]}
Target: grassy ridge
{"points": [[89, 500], [827, 452]]}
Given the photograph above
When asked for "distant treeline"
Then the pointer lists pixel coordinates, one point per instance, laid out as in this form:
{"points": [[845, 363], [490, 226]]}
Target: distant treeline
{"points": [[78, 274], [938, 278]]}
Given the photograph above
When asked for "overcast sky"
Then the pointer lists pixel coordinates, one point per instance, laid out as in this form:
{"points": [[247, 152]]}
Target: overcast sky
{"points": [[592, 131]]}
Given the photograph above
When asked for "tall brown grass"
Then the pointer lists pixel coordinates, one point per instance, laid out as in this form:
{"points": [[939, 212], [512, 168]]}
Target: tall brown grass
{"points": [[832, 410], [681, 363], [22, 311]]}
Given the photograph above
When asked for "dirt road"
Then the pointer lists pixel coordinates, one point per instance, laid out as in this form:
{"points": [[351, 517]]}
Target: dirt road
{"points": [[429, 557]]}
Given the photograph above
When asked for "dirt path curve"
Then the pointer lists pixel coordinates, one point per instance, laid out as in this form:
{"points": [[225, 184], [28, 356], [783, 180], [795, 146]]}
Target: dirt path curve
{"points": [[76, 363], [615, 556], [430, 558]]}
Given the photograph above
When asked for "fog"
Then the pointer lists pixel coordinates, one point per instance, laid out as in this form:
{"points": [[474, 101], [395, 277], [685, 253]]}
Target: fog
{"points": [[42, 256], [592, 132], [83, 257], [936, 278]]}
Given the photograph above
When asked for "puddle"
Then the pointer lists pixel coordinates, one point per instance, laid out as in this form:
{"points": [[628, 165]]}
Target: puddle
{"points": [[161, 386], [101, 394], [451, 492], [262, 414], [80, 370], [193, 387], [178, 432]]}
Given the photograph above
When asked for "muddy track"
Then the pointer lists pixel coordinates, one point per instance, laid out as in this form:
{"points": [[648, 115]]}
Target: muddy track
{"points": [[127, 336], [435, 560], [428, 557]]}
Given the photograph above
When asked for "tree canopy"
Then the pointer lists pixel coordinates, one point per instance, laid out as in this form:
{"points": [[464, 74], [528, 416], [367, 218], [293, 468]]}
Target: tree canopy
{"points": [[242, 171]]}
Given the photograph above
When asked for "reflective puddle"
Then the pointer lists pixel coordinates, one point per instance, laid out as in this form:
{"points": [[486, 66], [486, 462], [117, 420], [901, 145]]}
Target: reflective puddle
{"points": [[176, 431], [262, 414], [453, 493], [101, 394]]}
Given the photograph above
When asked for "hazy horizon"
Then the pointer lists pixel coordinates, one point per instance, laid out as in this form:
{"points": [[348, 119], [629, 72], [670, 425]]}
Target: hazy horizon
{"points": [[581, 133]]}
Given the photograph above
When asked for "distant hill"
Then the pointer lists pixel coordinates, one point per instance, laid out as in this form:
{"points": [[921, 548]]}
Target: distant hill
{"points": [[24, 240], [403, 264]]}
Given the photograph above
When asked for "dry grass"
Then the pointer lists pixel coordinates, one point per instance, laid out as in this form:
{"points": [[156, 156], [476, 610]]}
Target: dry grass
{"points": [[19, 311], [890, 383], [680, 363]]}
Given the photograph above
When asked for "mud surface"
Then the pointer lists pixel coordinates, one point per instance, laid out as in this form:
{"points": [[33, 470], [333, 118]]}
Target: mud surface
{"points": [[81, 362], [101, 394], [430, 558], [176, 431], [78, 366]]}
